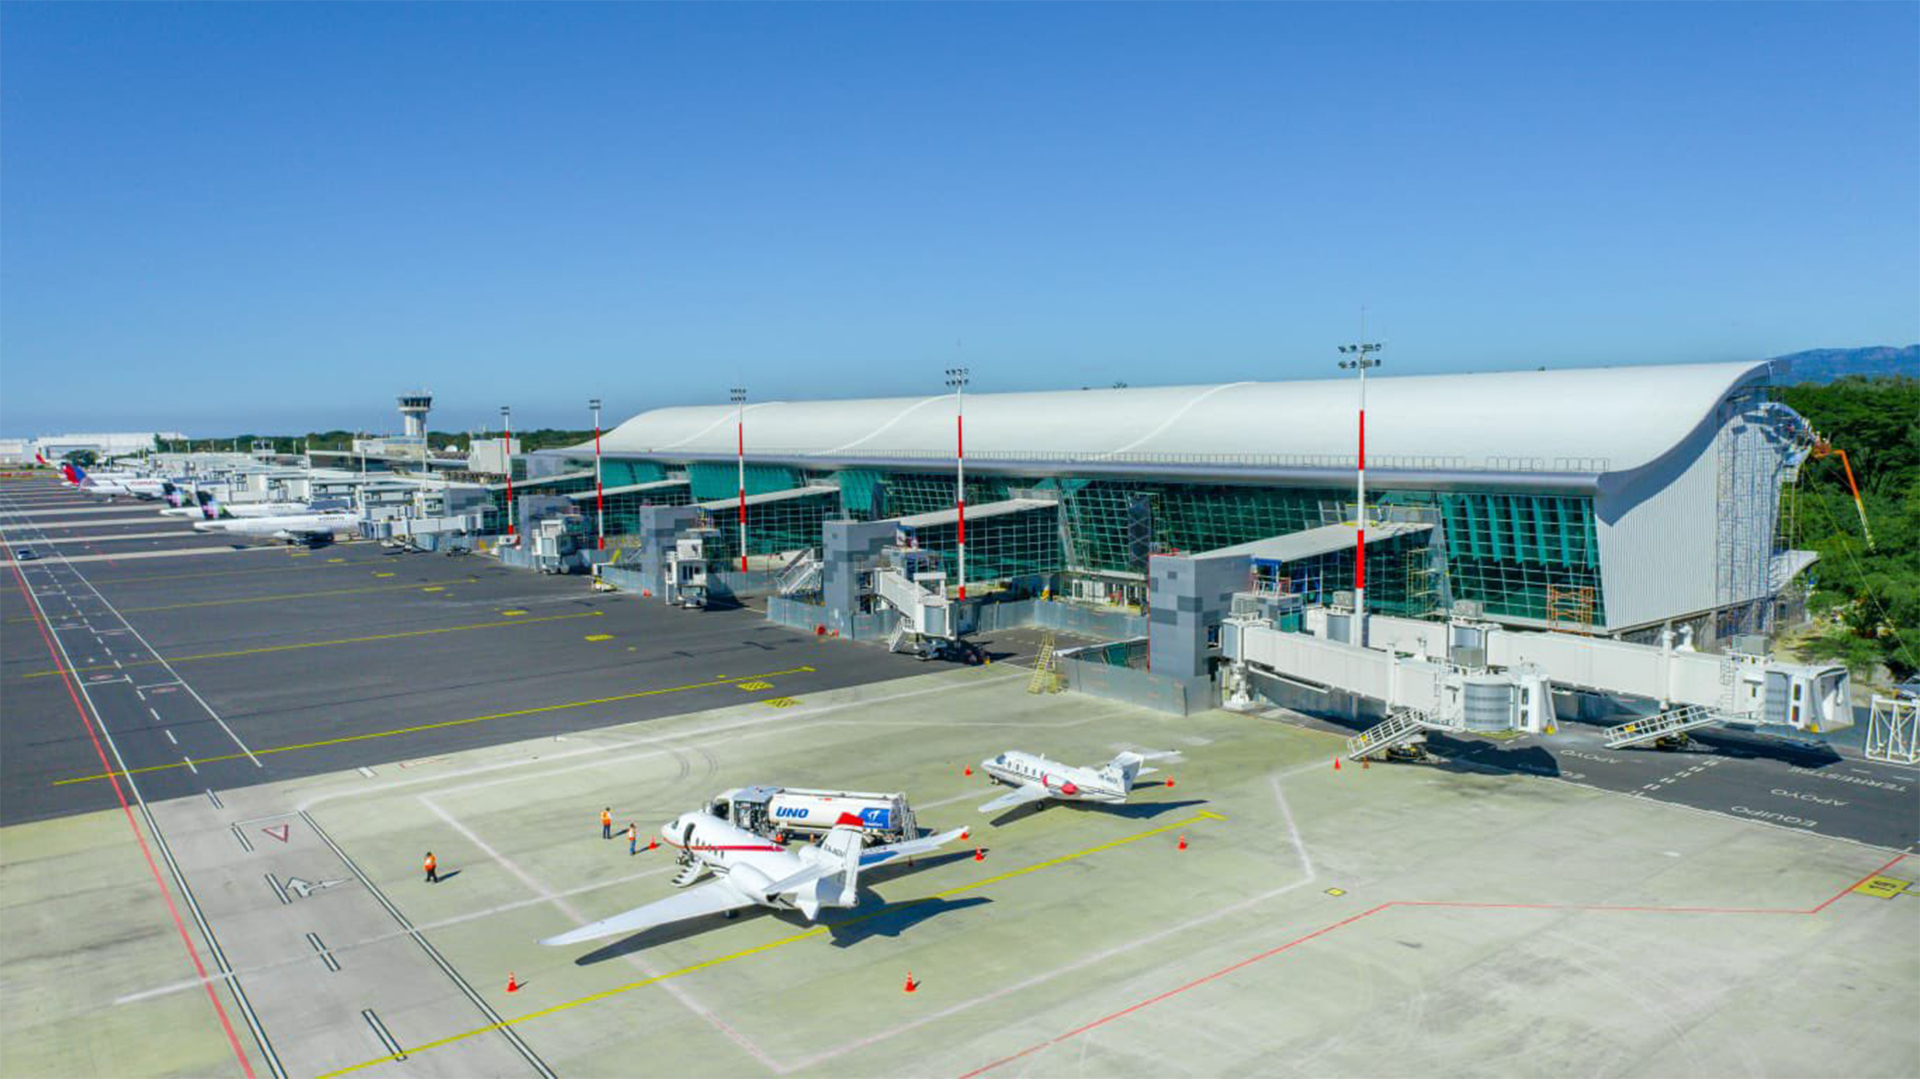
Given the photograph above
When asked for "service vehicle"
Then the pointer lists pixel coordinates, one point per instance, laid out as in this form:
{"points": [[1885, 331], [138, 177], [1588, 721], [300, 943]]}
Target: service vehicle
{"points": [[782, 812]]}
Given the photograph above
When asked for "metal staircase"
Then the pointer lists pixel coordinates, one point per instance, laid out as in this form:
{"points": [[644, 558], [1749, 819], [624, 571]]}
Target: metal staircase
{"points": [[800, 575], [1046, 668], [1663, 725], [901, 631], [1399, 728]]}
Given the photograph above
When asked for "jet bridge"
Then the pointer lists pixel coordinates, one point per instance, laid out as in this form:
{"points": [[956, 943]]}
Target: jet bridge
{"points": [[1470, 675]]}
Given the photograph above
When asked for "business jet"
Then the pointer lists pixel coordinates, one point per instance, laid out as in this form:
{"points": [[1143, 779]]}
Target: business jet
{"points": [[751, 870], [1035, 778]]}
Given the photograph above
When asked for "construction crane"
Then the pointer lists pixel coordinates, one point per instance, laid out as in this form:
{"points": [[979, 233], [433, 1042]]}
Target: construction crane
{"points": [[1822, 448]]}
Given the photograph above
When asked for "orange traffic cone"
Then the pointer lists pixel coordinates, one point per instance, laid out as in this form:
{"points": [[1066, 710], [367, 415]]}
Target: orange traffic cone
{"points": [[979, 854], [513, 984], [1183, 843], [1336, 764], [652, 842], [911, 985], [968, 771], [1168, 781]]}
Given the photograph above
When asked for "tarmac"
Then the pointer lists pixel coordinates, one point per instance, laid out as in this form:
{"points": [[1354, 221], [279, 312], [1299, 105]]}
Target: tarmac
{"points": [[1265, 914]]}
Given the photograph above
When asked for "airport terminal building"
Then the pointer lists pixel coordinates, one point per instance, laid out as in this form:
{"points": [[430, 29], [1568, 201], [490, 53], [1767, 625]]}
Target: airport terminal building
{"points": [[1607, 501]]}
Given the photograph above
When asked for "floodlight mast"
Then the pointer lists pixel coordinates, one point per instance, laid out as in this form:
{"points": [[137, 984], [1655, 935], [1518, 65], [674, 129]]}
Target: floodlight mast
{"points": [[739, 396], [957, 378], [1360, 359], [599, 490]]}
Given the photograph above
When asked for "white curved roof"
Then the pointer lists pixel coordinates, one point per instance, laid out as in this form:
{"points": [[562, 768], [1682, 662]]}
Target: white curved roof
{"points": [[1590, 420]]}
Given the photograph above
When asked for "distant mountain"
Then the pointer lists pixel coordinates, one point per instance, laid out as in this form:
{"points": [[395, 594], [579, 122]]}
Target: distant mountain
{"points": [[1826, 365]]}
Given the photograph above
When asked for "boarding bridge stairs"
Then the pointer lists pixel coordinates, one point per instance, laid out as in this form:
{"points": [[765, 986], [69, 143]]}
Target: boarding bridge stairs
{"points": [[1400, 728], [1664, 725], [801, 575]]}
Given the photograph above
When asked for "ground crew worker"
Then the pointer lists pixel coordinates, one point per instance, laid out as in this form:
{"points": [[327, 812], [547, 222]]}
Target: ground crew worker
{"points": [[606, 823], [633, 838], [432, 866]]}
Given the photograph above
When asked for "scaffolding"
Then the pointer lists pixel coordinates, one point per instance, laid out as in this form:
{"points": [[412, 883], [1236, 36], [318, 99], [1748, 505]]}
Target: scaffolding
{"points": [[1748, 473]]}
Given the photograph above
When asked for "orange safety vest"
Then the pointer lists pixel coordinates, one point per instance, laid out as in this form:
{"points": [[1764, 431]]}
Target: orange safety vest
{"points": [[430, 864], [606, 818], [633, 832]]}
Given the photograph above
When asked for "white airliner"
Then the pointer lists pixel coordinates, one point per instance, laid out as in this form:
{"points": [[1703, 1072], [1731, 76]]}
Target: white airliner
{"points": [[140, 487], [753, 870], [203, 505], [307, 526], [1034, 778]]}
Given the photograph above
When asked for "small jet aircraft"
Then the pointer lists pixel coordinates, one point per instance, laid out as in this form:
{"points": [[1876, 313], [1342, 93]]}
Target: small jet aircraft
{"points": [[1034, 778], [752, 870]]}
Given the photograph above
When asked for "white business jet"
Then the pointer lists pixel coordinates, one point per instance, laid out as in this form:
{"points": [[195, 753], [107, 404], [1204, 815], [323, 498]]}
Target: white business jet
{"points": [[1034, 778], [753, 870]]}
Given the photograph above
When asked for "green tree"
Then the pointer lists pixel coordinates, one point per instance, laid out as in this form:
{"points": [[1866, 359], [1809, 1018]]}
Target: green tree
{"points": [[1872, 593]]}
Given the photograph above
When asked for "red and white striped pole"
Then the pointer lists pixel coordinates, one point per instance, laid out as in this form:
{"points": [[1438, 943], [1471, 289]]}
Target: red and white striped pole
{"points": [[740, 431], [1362, 355], [599, 491], [506, 453], [957, 378]]}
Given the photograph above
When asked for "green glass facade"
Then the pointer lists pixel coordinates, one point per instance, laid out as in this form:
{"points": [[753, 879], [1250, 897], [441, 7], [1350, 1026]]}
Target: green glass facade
{"points": [[1529, 556]]}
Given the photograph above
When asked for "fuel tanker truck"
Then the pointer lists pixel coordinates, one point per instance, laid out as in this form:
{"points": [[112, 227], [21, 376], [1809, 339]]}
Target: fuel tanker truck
{"points": [[783, 813]]}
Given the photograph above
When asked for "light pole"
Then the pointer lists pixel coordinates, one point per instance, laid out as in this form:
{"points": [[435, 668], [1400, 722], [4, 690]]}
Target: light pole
{"points": [[739, 396], [599, 491], [957, 378], [1360, 359], [506, 454]]}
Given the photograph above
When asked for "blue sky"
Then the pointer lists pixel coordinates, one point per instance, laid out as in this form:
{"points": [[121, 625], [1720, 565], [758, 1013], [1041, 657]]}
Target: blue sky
{"points": [[224, 217]]}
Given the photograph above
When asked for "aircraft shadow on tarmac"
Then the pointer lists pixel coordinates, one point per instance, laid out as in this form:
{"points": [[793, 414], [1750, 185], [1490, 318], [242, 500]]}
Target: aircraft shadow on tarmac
{"points": [[873, 917], [1142, 811]]}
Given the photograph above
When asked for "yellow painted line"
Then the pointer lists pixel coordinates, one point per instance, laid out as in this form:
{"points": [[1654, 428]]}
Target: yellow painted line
{"points": [[336, 560], [433, 588], [383, 573], [318, 644], [300, 555], [269, 599], [513, 611], [757, 684], [599, 637], [781, 702], [813, 931], [536, 710]]}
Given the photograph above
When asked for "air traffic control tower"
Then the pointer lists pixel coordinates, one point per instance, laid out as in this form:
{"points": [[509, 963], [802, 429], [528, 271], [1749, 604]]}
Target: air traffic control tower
{"points": [[413, 412]]}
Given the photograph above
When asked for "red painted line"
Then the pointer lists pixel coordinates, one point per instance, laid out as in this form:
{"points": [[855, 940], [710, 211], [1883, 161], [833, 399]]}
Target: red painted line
{"points": [[1331, 927], [166, 894]]}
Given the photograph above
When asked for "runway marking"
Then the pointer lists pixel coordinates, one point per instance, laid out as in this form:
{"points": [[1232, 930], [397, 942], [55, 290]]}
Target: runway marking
{"points": [[811, 932], [534, 711], [599, 637], [1388, 906], [337, 641]]}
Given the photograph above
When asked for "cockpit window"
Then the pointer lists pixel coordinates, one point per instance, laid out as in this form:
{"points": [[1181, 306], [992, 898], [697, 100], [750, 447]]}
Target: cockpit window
{"points": [[1000, 759]]}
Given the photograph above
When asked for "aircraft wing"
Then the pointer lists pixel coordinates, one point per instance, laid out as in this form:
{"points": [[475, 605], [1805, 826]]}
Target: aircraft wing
{"points": [[886, 853], [709, 899], [1019, 796]]}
